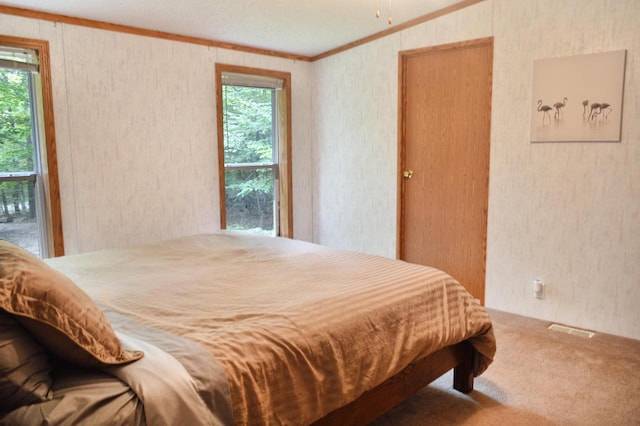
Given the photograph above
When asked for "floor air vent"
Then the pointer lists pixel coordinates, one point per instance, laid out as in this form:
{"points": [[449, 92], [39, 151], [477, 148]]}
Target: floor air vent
{"points": [[571, 330]]}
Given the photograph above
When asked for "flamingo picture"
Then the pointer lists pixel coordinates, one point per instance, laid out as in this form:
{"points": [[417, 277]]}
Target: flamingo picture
{"points": [[562, 84], [558, 106], [545, 111]]}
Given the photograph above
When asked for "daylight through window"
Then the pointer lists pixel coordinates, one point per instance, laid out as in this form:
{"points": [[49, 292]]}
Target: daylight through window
{"points": [[254, 144], [22, 204]]}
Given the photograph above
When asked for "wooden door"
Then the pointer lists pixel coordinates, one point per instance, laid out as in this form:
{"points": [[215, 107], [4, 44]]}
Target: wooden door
{"points": [[444, 126]]}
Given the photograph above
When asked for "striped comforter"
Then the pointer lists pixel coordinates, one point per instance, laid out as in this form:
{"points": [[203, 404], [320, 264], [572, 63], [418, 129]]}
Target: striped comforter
{"points": [[300, 329]]}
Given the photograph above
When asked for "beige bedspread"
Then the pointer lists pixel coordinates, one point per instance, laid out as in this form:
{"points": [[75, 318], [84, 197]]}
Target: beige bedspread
{"points": [[300, 329]]}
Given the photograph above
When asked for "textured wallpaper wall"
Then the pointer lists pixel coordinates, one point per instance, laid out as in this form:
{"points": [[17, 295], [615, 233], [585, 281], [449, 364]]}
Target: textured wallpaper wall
{"points": [[136, 134], [568, 213], [355, 148]]}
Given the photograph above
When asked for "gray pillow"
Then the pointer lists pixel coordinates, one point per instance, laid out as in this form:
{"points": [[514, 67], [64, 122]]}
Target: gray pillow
{"points": [[24, 366]]}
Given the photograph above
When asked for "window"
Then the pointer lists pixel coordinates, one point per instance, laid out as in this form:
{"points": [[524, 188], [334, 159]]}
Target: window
{"points": [[29, 192], [254, 150]]}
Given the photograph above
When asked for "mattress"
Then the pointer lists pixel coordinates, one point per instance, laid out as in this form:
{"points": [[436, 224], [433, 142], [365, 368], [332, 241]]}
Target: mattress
{"points": [[299, 329]]}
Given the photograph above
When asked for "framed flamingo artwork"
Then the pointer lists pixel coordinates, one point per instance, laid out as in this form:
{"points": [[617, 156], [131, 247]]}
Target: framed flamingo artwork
{"points": [[578, 98]]}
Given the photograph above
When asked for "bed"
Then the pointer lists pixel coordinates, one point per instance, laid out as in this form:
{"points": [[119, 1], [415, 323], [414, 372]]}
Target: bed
{"points": [[229, 328]]}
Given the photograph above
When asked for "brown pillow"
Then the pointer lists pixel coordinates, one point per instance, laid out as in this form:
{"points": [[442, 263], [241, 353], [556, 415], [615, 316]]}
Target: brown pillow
{"points": [[62, 317], [24, 366]]}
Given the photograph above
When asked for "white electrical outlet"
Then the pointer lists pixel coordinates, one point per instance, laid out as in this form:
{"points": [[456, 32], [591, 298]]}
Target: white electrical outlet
{"points": [[538, 288]]}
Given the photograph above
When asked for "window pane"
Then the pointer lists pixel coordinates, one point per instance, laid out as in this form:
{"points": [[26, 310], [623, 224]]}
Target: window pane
{"points": [[18, 218], [250, 199], [16, 145], [248, 125]]}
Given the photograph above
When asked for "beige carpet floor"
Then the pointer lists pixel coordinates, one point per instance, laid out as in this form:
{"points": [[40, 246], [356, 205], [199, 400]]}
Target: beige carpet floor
{"points": [[538, 377]]}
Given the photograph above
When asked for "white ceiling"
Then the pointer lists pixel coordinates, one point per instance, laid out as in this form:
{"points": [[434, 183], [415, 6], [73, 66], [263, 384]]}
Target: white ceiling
{"points": [[300, 27]]}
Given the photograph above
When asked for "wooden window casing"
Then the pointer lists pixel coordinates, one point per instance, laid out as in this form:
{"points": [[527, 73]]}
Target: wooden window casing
{"points": [[49, 161], [283, 105]]}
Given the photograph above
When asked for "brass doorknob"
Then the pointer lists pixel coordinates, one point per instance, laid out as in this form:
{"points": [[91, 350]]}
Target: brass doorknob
{"points": [[408, 174]]}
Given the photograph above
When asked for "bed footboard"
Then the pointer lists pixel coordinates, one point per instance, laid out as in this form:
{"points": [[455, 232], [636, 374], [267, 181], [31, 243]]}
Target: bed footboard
{"points": [[377, 401]]}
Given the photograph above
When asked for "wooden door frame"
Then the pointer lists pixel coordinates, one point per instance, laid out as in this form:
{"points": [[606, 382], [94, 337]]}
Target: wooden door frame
{"points": [[402, 58]]}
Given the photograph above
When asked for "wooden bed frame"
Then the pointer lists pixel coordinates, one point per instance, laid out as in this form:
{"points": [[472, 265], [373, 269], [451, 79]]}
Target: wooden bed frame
{"points": [[395, 390]]}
